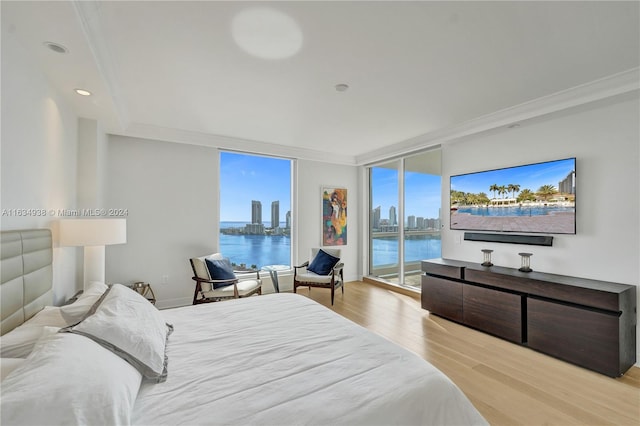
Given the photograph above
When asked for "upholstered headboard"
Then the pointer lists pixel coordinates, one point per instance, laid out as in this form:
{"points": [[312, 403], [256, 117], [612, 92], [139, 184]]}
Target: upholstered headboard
{"points": [[26, 275]]}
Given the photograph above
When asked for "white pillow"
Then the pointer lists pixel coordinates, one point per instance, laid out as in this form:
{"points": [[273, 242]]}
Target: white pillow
{"points": [[75, 312], [69, 379], [19, 342], [126, 323], [7, 365]]}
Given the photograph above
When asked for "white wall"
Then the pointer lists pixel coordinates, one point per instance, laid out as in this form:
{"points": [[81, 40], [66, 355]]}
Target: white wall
{"points": [[38, 154], [92, 145], [604, 137], [170, 191], [312, 176]]}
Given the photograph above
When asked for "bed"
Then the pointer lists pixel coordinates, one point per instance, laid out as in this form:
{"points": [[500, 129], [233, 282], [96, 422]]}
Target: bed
{"points": [[274, 359]]}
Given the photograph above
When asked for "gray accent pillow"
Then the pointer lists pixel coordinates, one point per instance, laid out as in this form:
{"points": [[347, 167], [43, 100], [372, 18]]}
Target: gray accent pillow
{"points": [[126, 323]]}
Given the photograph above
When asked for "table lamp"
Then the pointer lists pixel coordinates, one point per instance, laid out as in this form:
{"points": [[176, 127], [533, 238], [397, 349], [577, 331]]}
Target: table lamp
{"points": [[93, 235]]}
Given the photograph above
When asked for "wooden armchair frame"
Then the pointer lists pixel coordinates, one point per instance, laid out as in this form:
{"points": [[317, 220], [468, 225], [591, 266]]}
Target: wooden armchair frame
{"points": [[337, 279], [240, 275]]}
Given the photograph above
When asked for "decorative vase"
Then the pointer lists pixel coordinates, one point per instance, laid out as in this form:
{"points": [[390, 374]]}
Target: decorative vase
{"points": [[526, 262], [487, 257]]}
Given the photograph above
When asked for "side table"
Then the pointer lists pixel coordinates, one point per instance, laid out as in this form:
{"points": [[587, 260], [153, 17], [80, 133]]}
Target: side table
{"points": [[273, 273], [145, 290]]}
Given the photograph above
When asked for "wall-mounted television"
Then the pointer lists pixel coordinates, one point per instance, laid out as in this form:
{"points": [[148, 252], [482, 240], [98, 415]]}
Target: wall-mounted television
{"points": [[531, 198]]}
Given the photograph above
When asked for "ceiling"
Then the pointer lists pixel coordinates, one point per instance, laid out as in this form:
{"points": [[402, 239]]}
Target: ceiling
{"points": [[261, 76]]}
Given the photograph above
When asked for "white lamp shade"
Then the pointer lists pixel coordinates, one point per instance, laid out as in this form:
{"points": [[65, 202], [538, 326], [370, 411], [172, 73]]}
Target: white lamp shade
{"points": [[93, 232]]}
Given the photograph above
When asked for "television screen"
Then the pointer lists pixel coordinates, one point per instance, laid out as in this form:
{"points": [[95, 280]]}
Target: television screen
{"points": [[532, 198]]}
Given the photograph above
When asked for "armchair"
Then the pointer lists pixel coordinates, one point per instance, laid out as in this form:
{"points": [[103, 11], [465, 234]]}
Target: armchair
{"points": [[322, 270], [226, 284]]}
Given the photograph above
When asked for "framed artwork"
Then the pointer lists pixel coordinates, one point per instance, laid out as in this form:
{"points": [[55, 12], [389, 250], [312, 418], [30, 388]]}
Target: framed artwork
{"points": [[334, 216]]}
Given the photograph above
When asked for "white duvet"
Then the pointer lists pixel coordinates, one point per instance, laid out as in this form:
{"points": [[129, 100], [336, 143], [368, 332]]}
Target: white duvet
{"points": [[283, 359]]}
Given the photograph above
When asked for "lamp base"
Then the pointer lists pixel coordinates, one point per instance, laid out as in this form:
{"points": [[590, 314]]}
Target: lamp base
{"points": [[94, 269]]}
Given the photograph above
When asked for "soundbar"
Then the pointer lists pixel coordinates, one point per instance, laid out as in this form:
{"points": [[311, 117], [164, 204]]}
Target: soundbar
{"points": [[532, 240]]}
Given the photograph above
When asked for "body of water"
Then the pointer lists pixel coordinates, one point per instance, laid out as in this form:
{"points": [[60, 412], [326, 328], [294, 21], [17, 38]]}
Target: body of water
{"points": [[416, 248], [515, 210], [267, 224], [264, 250]]}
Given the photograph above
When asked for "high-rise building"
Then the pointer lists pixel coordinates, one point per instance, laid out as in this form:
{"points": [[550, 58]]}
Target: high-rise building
{"points": [[375, 218], [254, 229], [393, 220], [275, 214], [288, 219], [568, 184], [411, 221], [256, 212]]}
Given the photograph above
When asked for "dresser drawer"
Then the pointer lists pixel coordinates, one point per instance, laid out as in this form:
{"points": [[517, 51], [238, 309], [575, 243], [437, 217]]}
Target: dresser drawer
{"points": [[585, 337], [442, 297], [495, 312]]}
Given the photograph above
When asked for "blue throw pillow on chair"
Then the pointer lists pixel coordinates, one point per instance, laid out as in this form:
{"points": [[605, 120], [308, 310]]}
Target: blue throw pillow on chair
{"points": [[323, 263], [220, 270]]}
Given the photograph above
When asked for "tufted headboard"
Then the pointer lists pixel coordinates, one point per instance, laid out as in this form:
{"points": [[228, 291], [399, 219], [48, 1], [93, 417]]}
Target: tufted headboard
{"points": [[26, 275]]}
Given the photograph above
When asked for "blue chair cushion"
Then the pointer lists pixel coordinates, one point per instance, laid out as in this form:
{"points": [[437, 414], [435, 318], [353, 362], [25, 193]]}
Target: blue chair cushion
{"points": [[323, 263], [220, 270]]}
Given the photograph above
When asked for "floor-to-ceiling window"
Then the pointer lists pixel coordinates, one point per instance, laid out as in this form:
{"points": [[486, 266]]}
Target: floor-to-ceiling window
{"points": [[255, 209], [405, 201]]}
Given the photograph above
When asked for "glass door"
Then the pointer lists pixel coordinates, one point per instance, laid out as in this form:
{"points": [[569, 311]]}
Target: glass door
{"points": [[422, 202], [404, 227]]}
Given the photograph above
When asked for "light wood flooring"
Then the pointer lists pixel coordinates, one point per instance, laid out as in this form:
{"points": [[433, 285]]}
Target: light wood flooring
{"points": [[508, 384]]}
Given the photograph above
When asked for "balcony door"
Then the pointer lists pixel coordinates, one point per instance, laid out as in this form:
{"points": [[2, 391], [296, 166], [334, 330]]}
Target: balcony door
{"points": [[404, 225]]}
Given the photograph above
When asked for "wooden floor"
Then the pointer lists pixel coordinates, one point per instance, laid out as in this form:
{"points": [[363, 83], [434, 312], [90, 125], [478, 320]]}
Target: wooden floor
{"points": [[508, 384]]}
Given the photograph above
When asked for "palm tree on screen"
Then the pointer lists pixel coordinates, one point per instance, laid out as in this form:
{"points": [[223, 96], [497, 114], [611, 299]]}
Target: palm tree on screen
{"points": [[513, 188], [546, 191], [502, 190], [494, 188], [526, 195]]}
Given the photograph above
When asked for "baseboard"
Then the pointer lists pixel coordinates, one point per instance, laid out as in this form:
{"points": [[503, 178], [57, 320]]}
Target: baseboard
{"points": [[533, 240], [392, 287], [174, 303]]}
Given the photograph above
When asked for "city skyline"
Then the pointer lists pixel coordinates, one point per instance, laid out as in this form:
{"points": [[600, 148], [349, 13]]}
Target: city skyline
{"points": [[380, 223]]}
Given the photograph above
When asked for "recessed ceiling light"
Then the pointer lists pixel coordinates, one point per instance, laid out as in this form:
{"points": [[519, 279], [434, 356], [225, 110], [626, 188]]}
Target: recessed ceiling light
{"points": [[83, 92], [342, 87], [55, 47]]}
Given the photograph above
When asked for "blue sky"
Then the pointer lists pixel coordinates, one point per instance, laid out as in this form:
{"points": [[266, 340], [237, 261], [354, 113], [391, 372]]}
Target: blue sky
{"points": [[422, 193], [531, 177], [244, 178]]}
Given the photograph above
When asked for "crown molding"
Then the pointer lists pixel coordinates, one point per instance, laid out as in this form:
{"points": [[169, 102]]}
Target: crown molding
{"points": [[88, 13], [147, 131], [607, 87]]}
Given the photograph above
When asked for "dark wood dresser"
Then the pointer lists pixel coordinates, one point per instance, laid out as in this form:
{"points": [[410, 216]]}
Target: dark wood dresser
{"points": [[586, 322]]}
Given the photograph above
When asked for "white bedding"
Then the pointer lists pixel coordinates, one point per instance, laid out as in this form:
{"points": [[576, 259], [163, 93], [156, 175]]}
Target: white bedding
{"points": [[283, 359]]}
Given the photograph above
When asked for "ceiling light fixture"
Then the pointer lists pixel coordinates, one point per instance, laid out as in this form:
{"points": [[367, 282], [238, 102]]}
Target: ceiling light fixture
{"points": [[55, 47], [342, 87], [83, 92], [266, 33]]}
